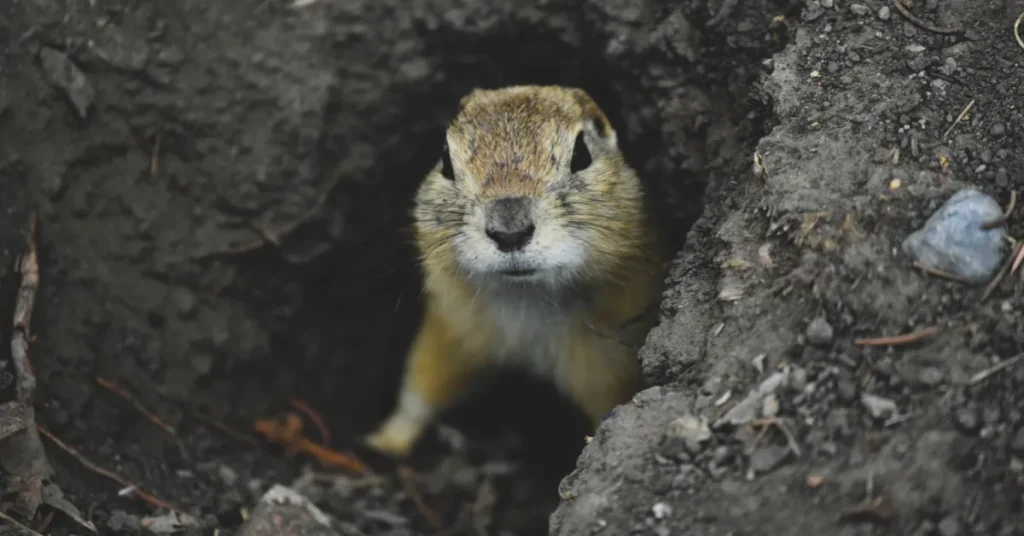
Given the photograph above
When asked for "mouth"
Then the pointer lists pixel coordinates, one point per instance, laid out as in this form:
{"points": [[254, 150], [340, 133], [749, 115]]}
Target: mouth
{"points": [[518, 273]]}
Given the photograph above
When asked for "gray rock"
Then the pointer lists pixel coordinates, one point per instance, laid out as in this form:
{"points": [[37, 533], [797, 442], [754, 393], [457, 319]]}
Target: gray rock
{"points": [[884, 13], [819, 332], [284, 511], [953, 241], [878, 407], [950, 526], [765, 459], [859, 9], [63, 73]]}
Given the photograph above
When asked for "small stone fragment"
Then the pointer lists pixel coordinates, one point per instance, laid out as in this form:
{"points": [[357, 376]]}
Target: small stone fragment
{"points": [[884, 13], [690, 428], [661, 510], [765, 459], [952, 240], [967, 420], [819, 332], [950, 526], [859, 9], [997, 130], [282, 510], [1017, 444], [827, 4], [61, 72], [878, 407]]}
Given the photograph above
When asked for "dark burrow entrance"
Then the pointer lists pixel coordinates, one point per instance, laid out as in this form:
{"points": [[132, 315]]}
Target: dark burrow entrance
{"points": [[323, 309]]}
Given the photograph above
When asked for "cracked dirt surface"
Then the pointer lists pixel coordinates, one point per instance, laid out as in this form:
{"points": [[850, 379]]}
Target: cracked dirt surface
{"points": [[222, 191]]}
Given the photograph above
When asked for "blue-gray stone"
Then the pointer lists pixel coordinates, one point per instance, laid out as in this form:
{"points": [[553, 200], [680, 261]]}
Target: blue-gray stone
{"points": [[952, 240]]}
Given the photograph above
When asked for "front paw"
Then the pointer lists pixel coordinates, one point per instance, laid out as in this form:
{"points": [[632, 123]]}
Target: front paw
{"points": [[394, 439]]}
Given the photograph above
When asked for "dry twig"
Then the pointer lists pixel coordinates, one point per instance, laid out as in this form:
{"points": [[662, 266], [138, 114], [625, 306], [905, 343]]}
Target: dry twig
{"points": [[123, 393], [223, 428], [896, 340], [22, 335], [1006, 215], [110, 475], [1002, 365], [408, 478], [963, 113], [920, 23], [17, 525], [1002, 271], [939, 273], [875, 510]]}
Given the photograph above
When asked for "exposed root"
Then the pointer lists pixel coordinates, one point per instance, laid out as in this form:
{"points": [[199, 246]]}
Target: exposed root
{"points": [[897, 340], [107, 473], [123, 393]]}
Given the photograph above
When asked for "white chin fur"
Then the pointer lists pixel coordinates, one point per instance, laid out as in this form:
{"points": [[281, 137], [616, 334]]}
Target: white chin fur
{"points": [[554, 258]]}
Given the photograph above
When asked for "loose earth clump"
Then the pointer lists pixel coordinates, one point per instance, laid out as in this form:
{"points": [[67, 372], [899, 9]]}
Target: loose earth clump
{"points": [[222, 191]]}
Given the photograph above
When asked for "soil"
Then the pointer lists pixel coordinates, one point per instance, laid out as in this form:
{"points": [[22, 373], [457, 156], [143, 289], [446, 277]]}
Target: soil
{"points": [[223, 190]]}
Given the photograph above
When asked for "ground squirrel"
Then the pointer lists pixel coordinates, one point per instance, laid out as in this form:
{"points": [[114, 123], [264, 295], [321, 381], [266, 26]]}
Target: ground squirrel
{"points": [[538, 251]]}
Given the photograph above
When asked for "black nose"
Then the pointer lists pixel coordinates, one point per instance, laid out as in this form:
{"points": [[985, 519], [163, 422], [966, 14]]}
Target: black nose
{"points": [[511, 241], [509, 223]]}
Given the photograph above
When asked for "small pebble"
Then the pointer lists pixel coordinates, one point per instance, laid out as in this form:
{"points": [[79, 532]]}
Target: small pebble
{"points": [[661, 510], [952, 240], [948, 67], [1017, 444], [846, 389], [967, 420], [884, 13], [819, 332], [930, 376], [878, 407], [950, 526], [859, 9], [827, 4], [765, 459], [722, 455], [997, 130]]}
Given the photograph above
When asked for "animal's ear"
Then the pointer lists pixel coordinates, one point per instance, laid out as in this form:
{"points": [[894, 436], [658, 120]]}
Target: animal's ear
{"points": [[467, 96], [593, 115]]}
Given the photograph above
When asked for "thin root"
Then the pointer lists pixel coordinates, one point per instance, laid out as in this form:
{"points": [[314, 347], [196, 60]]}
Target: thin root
{"points": [[92, 466], [408, 478], [302, 407], [922, 24], [123, 393], [897, 340]]}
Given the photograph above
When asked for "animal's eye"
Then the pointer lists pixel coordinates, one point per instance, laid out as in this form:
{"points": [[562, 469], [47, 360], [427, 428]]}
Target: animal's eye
{"points": [[446, 164], [581, 158]]}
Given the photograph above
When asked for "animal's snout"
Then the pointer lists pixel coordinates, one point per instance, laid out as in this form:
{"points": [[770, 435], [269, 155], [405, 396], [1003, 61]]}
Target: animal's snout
{"points": [[509, 222]]}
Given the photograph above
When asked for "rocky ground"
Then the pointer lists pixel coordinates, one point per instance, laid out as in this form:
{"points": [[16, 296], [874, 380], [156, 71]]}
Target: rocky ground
{"points": [[221, 190]]}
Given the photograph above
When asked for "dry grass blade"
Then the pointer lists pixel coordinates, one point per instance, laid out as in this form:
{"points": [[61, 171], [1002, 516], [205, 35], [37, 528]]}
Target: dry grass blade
{"points": [[1002, 272], [981, 376], [18, 526]]}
